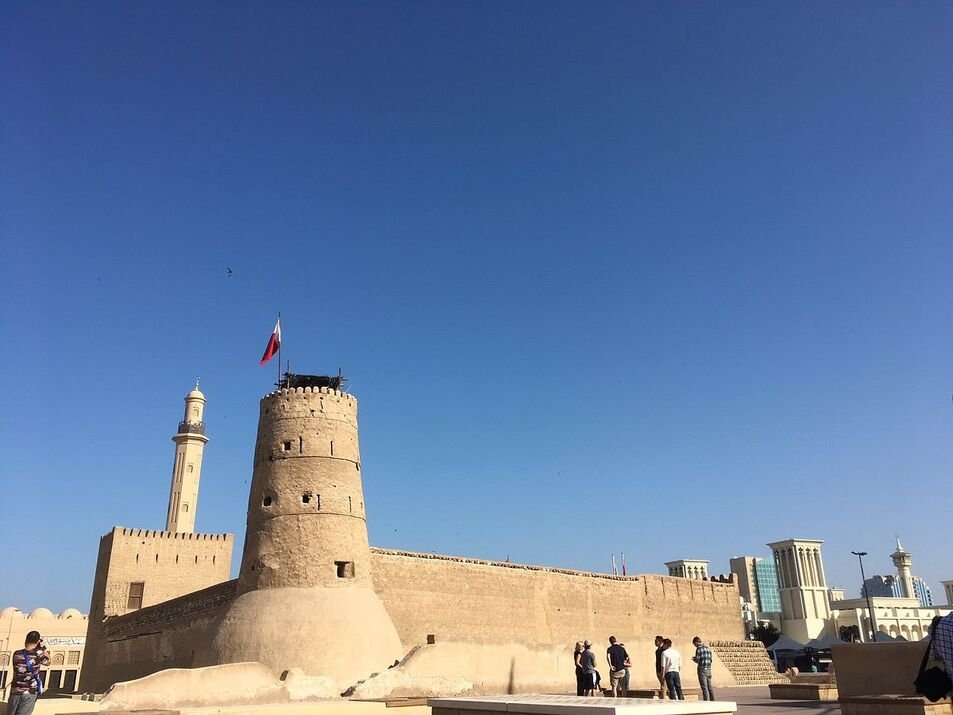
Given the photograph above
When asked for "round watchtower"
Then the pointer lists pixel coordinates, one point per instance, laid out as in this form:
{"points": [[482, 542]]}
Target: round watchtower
{"points": [[306, 521], [305, 595]]}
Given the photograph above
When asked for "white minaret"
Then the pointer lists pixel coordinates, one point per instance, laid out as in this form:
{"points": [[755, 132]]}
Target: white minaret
{"points": [[903, 560], [187, 469]]}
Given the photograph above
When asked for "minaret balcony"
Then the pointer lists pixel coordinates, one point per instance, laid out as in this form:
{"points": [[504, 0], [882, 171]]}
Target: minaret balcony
{"points": [[192, 428]]}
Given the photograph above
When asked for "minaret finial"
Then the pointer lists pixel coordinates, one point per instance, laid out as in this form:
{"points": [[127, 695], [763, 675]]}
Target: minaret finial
{"points": [[196, 383], [899, 546]]}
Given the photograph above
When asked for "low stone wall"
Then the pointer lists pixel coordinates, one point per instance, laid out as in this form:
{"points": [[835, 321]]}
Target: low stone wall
{"points": [[877, 668], [155, 638]]}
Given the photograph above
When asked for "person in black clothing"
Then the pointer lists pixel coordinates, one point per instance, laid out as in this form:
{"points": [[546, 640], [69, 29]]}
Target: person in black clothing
{"points": [[617, 658], [587, 660], [659, 640], [580, 673]]}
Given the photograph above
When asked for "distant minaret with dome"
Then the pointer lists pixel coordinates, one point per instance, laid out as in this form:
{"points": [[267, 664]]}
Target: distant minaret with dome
{"points": [[902, 560], [190, 443]]}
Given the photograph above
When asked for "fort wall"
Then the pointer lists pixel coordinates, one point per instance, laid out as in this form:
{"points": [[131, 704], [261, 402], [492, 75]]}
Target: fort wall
{"points": [[460, 599], [473, 605], [166, 564]]}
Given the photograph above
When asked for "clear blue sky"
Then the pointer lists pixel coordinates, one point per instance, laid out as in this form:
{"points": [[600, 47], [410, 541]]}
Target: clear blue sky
{"points": [[672, 279]]}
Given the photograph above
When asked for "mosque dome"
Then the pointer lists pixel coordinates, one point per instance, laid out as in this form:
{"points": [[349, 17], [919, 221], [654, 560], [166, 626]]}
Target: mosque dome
{"points": [[9, 611], [70, 613], [196, 393], [41, 613]]}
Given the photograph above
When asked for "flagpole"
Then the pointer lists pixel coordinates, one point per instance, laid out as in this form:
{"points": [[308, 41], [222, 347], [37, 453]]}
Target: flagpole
{"points": [[279, 352]]}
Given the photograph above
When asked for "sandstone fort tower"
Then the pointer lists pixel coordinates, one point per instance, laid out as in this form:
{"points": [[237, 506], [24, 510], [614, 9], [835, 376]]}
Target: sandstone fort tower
{"points": [[305, 582]]}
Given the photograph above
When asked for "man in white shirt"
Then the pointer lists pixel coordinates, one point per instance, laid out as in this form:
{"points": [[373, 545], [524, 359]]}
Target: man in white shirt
{"points": [[671, 670]]}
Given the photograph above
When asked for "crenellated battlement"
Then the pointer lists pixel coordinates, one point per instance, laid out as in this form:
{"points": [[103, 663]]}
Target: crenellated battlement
{"points": [[309, 392], [169, 535]]}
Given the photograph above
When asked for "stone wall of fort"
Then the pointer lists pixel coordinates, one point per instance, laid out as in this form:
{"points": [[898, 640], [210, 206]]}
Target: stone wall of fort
{"points": [[139, 568], [166, 635], [461, 599]]}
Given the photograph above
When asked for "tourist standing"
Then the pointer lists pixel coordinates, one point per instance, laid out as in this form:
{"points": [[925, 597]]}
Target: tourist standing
{"points": [[659, 649], [671, 670], [941, 637], [617, 658], [26, 685], [588, 661], [628, 665], [702, 658], [580, 673]]}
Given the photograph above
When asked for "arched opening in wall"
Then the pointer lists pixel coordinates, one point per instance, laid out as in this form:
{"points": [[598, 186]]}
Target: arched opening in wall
{"points": [[286, 446], [306, 498], [266, 501], [345, 569], [185, 507]]}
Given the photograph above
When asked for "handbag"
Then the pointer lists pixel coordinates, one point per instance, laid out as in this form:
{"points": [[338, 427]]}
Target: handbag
{"points": [[932, 683]]}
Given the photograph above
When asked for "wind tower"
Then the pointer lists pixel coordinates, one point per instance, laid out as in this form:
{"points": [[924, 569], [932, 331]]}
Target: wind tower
{"points": [[805, 603], [305, 596], [902, 560], [190, 441]]}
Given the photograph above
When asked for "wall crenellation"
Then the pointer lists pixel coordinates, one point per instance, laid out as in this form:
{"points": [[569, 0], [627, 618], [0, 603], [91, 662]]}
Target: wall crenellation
{"points": [[285, 391], [172, 535]]}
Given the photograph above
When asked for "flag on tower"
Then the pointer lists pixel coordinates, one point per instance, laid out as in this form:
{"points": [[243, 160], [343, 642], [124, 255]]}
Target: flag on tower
{"points": [[274, 343]]}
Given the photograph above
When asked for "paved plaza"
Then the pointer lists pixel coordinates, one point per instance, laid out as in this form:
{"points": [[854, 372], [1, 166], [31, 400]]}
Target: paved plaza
{"points": [[756, 700]]}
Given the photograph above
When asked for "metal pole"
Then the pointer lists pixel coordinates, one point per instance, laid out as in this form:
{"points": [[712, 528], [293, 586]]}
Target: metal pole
{"points": [[870, 609], [280, 341]]}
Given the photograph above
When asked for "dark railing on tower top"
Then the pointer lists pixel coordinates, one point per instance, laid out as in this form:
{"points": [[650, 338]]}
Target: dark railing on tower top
{"points": [[335, 382], [192, 428]]}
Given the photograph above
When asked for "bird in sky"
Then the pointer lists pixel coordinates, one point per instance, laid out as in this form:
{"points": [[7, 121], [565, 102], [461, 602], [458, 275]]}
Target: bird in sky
{"points": [[228, 271]]}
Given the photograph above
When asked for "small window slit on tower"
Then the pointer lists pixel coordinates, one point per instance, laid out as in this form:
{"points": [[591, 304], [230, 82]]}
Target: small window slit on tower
{"points": [[345, 569]]}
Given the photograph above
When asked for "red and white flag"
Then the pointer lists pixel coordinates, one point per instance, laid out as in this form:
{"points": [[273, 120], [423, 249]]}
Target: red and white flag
{"points": [[274, 343]]}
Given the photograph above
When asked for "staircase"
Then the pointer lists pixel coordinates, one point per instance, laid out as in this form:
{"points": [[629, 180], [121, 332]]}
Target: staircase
{"points": [[748, 662]]}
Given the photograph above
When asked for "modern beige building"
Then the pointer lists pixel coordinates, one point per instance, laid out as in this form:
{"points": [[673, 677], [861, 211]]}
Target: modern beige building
{"points": [[688, 568], [190, 441], [805, 602], [64, 634], [948, 590], [743, 569], [894, 617]]}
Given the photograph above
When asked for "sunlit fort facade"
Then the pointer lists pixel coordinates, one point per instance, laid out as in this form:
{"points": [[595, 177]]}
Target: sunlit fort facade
{"points": [[163, 598]]}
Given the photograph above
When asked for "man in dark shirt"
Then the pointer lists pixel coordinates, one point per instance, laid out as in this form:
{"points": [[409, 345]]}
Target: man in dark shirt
{"points": [[26, 685], [617, 658], [659, 649]]}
